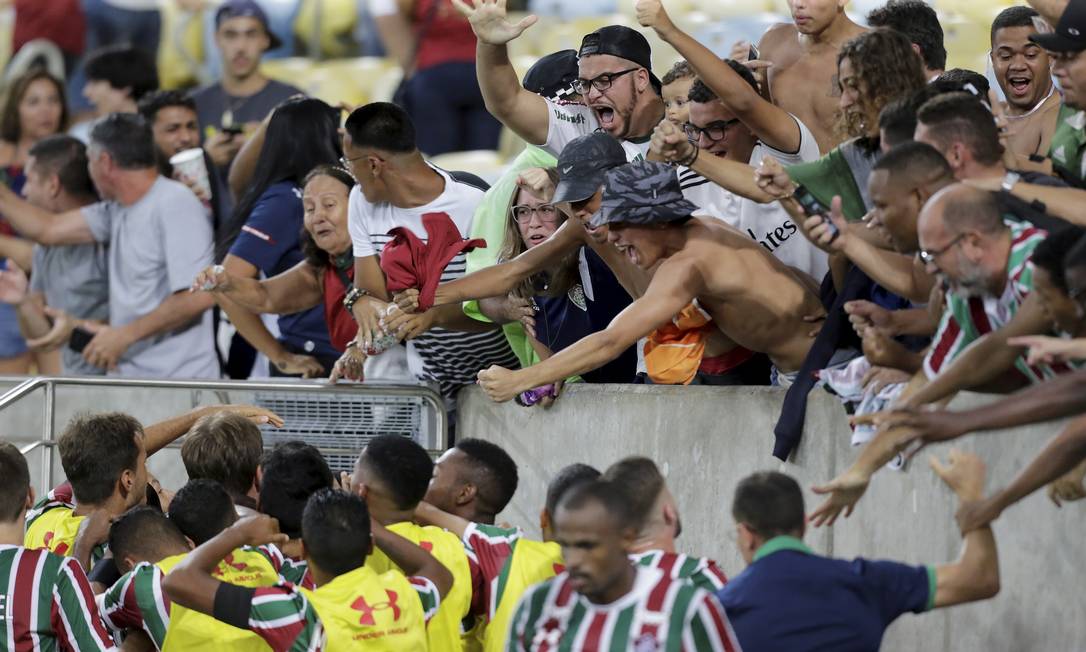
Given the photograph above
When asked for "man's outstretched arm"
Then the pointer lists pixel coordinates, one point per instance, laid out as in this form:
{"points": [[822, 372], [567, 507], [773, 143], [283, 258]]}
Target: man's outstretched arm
{"points": [[161, 434], [42, 226], [521, 110], [671, 290], [1061, 455]]}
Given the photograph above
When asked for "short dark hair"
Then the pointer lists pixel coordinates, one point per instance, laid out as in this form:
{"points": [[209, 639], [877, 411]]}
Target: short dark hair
{"points": [[224, 447], [897, 121], [14, 482], [1052, 253], [402, 466], [1017, 16], [681, 70], [608, 495], [702, 94], [566, 479], [770, 504], [919, 22], [124, 67], [640, 481], [961, 117], [383, 126], [66, 157], [910, 160], [292, 472], [336, 531], [153, 102], [95, 449], [201, 509], [494, 472], [1076, 257], [143, 533], [128, 140], [10, 123], [961, 77]]}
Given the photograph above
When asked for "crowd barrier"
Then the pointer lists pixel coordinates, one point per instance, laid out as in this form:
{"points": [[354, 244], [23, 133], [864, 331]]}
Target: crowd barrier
{"points": [[705, 439]]}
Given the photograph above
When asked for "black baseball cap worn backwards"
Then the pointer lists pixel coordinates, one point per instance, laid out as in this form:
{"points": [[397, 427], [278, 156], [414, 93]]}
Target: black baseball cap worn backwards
{"points": [[582, 163], [1069, 34], [623, 42]]}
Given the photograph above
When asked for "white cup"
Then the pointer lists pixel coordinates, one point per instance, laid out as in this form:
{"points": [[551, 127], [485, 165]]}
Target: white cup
{"points": [[191, 164]]}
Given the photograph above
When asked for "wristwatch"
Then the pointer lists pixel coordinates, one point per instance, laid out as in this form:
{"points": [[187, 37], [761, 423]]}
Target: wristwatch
{"points": [[1009, 181]]}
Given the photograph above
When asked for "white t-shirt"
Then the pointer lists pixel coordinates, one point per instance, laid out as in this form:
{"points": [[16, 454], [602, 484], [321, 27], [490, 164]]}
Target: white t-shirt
{"points": [[451, 358], [771, 225]]}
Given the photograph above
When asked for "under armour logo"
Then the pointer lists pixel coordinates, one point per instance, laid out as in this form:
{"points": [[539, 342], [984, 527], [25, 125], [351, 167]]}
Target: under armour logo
{"points": [[427, 546], [367, 611], [558, 569], [61, 549], [229, 561]]}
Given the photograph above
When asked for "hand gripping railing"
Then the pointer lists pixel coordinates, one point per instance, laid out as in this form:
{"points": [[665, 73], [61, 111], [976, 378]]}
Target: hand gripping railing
{"points": [[274, 395]]}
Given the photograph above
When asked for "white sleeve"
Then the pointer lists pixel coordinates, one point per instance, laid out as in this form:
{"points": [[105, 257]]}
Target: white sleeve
{"points": [[807, 151], [566, 122], [356, 225], [383, 7]]}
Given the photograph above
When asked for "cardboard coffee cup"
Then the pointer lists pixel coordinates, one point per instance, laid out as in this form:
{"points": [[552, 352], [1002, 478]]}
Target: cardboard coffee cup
{"points": [[191, 164]]}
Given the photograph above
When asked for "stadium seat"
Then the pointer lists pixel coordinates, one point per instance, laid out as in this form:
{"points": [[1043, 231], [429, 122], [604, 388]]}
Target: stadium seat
{"points": [[290, 70], [509, 145], [485, 163], [352, 80], [334, 26], [181, 50]]}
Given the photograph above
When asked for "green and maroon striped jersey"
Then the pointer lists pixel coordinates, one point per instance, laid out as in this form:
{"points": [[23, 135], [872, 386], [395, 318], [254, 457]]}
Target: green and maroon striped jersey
{"points": [[137, 601], [47, 604], [659, 613], [702, 573]]}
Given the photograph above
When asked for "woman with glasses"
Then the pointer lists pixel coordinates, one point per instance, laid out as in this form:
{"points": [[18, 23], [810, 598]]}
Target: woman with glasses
{"points": [[316, 283], [263, 238], [577, 297]]}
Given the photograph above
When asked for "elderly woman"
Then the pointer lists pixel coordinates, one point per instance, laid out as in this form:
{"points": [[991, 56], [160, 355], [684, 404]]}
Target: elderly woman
{"points": [[321, 278]]}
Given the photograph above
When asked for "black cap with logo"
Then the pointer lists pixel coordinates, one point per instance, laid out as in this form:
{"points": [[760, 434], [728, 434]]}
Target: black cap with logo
{"points": [[582, 163], [623, 42], [1069, 34]]}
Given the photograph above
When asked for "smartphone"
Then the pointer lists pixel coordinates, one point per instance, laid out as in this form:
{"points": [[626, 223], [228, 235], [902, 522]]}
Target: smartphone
{"points": [[812, 206], [233, 130], [79, 340]]}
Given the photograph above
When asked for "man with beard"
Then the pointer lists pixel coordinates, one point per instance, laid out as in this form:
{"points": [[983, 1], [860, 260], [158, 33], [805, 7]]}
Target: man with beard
{"points": [[803, 79], [175, 127], [620, 95], [1023, 72], [244, 96]]}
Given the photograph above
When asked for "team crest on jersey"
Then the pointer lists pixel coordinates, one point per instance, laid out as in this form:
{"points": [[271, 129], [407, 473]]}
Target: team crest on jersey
{"points": [[646, 643], [367, 611]]}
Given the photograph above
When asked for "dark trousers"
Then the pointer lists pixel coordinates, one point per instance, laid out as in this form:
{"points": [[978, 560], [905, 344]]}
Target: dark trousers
{"points": [[448, 111]]}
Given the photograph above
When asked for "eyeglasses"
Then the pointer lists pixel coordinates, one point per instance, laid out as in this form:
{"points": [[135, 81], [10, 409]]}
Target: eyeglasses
{"points": [[346, 162], [714, 132], [600, 83], [522, 213], [929, 257]]}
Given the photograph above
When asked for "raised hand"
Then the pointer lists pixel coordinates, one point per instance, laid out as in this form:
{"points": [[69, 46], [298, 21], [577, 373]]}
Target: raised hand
{"points": [[537, 182], [865, 314], [963, 473], [490, 22], [257, 415], [212, 279], [651, 13], [670, 143], [773, 179], [828, 232], [499, 383], [259, 530]]}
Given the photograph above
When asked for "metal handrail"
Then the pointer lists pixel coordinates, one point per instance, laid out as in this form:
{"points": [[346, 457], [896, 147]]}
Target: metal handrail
{"points": [[50, 383]]}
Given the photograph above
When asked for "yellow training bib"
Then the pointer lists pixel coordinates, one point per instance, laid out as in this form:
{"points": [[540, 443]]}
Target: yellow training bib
{"points": [[532, 562]]}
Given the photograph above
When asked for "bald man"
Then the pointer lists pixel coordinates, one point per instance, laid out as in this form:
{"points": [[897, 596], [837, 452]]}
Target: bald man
{"points": [[982, 261]]}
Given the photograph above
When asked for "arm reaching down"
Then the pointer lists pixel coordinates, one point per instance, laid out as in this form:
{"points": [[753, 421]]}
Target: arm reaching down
{"points": [[411, 559], [672, 288]]}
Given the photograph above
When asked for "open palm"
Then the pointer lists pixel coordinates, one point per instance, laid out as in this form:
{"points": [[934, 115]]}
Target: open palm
{"points": [[13, 284], [490, 22]]}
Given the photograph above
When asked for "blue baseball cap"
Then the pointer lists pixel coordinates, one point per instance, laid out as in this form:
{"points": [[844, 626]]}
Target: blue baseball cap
{"points": [[246, 9]]}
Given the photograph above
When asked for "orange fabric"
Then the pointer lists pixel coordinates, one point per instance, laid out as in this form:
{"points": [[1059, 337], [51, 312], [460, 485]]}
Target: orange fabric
{"points": [[674, 351]]}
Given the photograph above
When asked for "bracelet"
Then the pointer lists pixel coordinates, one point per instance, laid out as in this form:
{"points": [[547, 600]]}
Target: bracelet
{"points": [[693, 157], [352, 297]]}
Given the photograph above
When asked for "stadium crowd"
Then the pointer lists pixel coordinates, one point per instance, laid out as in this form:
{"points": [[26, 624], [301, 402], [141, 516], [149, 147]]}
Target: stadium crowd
{"points": [[863, 220]]}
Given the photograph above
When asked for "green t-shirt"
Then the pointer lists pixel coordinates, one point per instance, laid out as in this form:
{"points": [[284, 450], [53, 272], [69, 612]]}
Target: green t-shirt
{"points": [[489, 224], [1069, 145]]}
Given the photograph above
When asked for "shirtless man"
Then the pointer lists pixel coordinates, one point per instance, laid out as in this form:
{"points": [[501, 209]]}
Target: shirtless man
{"points": [[803, 77], [752, 297], [1023, 71]]}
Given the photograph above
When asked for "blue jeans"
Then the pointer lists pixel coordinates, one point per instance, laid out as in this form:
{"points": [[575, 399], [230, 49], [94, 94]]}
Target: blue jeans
{"points": [[107, 25], [448, 111]]}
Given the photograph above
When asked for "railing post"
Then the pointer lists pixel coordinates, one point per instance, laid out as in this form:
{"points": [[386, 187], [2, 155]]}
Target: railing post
{"points": [[48, 427]]}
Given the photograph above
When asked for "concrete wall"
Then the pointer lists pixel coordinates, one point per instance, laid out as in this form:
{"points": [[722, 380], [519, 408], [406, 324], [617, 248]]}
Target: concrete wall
{"points": [[706, 439]]}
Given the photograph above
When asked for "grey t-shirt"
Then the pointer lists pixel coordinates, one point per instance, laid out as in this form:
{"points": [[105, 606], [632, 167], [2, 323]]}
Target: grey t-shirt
{"points": [[212, 103], [74, 279], [156, 247]]}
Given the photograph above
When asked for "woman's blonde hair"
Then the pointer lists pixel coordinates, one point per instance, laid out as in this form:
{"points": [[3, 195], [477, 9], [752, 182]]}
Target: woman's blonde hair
{"points": [[561, 277]]}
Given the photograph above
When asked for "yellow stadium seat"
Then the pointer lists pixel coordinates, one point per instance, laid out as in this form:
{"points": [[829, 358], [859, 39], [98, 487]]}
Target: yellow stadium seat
{"points": [[289, 70], [7, 32], [181, 50], [337, 22], [509, 145], [965, 40], [383, 86], [522, 63]]}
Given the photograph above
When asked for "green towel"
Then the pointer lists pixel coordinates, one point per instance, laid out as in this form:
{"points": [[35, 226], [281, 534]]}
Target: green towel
{"points": [[828, 177]]}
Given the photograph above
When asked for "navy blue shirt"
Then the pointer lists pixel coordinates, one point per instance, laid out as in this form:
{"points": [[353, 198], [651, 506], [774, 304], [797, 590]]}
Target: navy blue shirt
{"points": [[565, 319], [271, 242], [791, 599]]}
